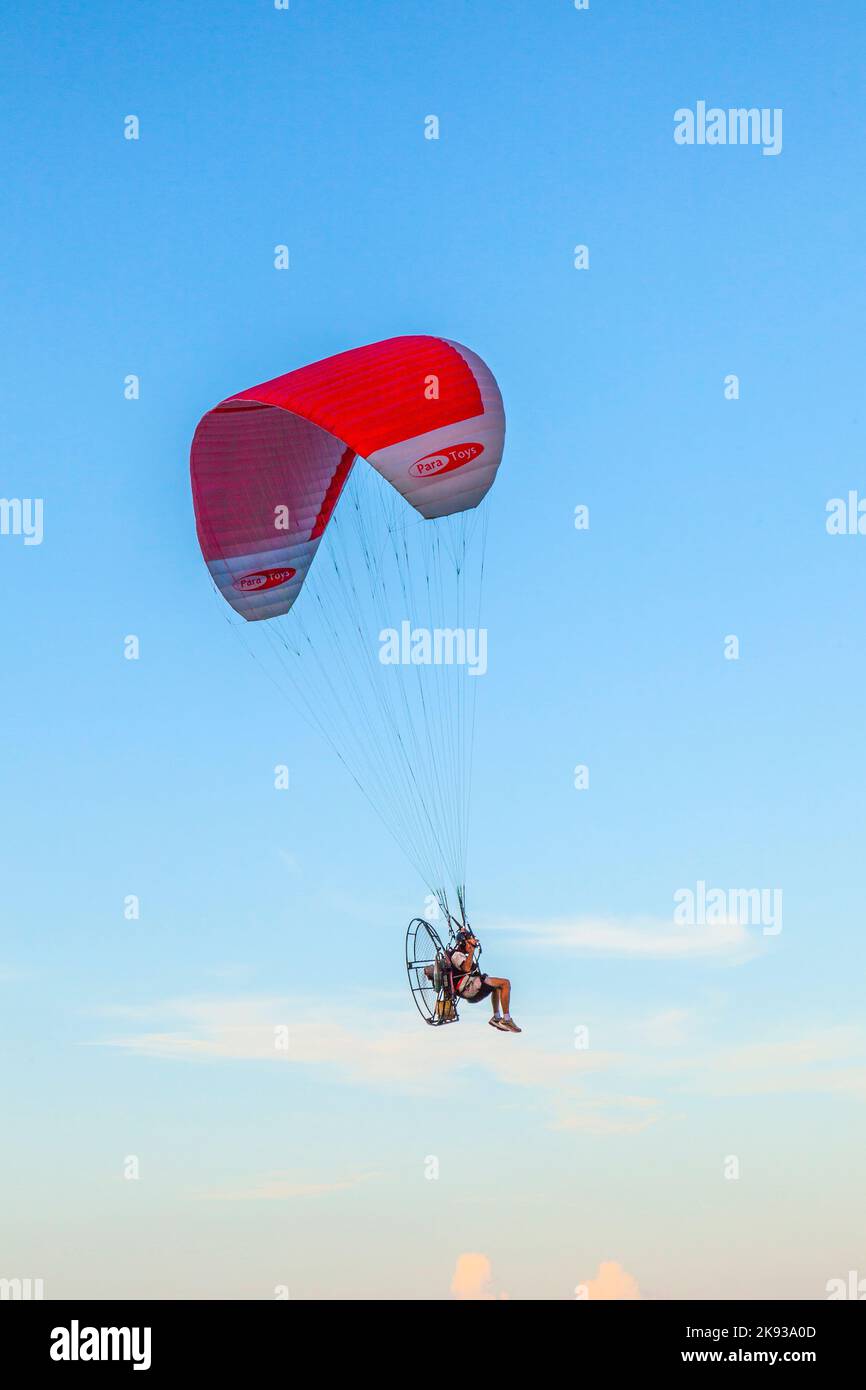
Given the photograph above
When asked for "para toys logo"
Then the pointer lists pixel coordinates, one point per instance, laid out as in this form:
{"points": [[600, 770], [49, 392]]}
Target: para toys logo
{"points": [[446, 460], [264, 579]]}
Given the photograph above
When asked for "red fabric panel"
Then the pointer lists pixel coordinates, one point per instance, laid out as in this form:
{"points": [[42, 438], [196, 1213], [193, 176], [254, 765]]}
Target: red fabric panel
{"points": [[246, 462], [374, 396], [332, 496]]}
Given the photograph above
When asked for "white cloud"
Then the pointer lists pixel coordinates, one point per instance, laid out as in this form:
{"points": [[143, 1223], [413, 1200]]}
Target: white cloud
{"points": [[379, 1048], [828, 1061], [589, 1091], [647, 938], [668, 1028], [606, 1114]]}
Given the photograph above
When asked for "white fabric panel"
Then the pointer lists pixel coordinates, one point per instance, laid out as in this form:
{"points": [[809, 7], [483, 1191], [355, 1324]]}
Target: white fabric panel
{"points": [[440, 473]]}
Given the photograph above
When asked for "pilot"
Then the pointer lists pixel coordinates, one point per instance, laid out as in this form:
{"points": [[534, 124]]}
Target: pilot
{"points": [[473, 986]]}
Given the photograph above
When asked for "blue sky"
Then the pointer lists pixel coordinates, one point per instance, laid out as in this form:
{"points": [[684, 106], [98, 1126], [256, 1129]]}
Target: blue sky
{"points": [[155, 777]]}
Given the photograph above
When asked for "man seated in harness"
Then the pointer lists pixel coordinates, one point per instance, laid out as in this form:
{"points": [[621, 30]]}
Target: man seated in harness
{"points": [[470, 984]]}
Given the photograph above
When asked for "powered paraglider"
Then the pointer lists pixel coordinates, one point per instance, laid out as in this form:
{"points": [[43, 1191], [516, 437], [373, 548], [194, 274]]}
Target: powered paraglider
{"points": [[379, 642]]}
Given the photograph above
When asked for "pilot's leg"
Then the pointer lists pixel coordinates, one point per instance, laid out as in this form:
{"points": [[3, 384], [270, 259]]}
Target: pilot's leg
{"points": [[501, 993]]}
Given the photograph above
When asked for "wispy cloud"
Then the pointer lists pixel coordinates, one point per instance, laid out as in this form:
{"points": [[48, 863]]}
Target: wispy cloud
{"points": [[590, 1091], [605, 1114], [355, 1045], [283, 1187], [648, 938], [829, 1061], [10, 975], [382, 1050], [668, 1028]]}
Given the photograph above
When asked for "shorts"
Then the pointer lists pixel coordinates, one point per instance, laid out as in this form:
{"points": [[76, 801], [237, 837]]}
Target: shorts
{"points": [[483, 991]]}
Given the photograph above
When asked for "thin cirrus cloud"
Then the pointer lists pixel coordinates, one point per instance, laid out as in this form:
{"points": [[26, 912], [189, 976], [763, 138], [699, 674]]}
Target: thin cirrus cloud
{"points": [[396, 1056], [283, 1187], [604, 1114], [591, 1090], [648, 938], [667, 1027], [317, 1035], [290, 1032], [828, 1061]]}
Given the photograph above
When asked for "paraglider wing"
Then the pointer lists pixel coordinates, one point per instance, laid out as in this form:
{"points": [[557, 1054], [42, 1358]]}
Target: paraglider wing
{"points": [[269, 464], [276, 475]]}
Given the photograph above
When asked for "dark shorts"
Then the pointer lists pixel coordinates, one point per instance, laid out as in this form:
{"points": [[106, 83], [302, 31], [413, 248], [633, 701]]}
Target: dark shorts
{"points": [[483, 991]]}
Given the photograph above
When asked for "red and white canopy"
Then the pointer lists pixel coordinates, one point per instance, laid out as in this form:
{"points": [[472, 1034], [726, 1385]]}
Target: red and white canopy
{"points": [[268, 465]]}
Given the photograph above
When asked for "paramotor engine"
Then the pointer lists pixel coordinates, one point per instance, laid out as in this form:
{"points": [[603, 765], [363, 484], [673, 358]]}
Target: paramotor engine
{"points": [[431, 974]]}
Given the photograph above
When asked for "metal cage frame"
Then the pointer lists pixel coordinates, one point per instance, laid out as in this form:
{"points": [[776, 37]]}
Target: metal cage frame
{"points": [[434, 994]]}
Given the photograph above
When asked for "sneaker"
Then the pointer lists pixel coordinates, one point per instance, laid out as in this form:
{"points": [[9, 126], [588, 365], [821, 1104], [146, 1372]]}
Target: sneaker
{"points": [[496, 1023], [509, 1026]]}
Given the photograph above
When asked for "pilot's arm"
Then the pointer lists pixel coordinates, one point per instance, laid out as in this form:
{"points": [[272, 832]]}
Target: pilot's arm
{"points": [[470, 955]]}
